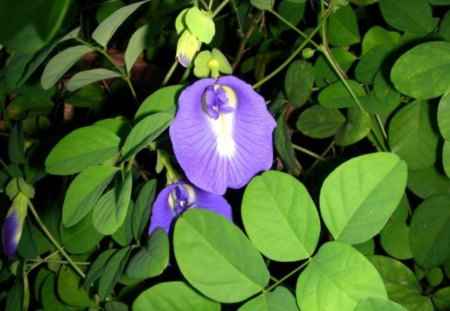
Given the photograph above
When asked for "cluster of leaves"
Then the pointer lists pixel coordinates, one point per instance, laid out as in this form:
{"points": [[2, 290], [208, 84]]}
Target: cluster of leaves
{"points": [[353, 216]]}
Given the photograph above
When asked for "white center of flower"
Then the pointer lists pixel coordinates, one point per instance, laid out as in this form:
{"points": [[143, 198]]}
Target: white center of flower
{"points": [[223, 126]]}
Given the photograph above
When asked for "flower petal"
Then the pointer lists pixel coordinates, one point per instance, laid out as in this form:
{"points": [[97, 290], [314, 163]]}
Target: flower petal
{"points": [[162, 213], [227, 151], [213, 202], [11, 232]]}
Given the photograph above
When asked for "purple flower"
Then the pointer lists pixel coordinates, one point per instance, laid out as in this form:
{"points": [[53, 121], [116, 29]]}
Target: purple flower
{"points": [[222, 134], [13, 225], [176, 198]]}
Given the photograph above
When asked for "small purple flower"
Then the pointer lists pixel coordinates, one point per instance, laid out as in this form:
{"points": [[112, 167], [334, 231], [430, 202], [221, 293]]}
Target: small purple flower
{"points": [[222, 134], [13, 225], [176, 198]]}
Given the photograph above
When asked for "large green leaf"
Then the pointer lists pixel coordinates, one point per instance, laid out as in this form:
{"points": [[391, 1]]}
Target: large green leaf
{"points": [[142, 208], [280, 217], [80, 238], [325, 74], [429, 234], [412, 16], [84, 191], [86, 77], [151, 260], [174, 296], [49, 298], [113, 269], [441, 299], [200, 24], [412, 135], [446, 157], [216, 257], [357, 125], [443, 115], [27, 25], [422, 72], [97, 267], [69, 290], [337, 278], [104, 32], [401, 284], [357, 198], [280, 299], [111, 209], [395, 240], [337, 95], [83, 148], [136, 46], [371, 62], [343, 27], [319, 122], [298, 82], [428, 182], [144, 132], [377, 304], [377, 36], [58, 65], [163, 100]]}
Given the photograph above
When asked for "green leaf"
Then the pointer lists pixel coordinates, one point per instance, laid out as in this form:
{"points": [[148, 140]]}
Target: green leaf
{"points": [[429, 234], [401, 284], [446, 157], [337, 278], [142, 208], [163, 100], [435, 276], [298, 82], [355, 128], [58, 65], [377, 36], [104, 32], [280, 217], [439, 2], [428, 182], [150, 261], [413, 16], [86, 77], [343, 28], [395, 240], [84, 191], [28, 25], [116, 306], [124, 234], [337, 95], [111, 209], [201, 68], [200, 24], [371, 62], [319, 122], [97, 267], [49, 298], [15, 297], [28, 106], [365, 248], [441, 298], [217, 258], [443, 116], [376, 304], [292, 11], [283, 145], [16, 144], [352, 193], [385, 93], [113, 269], [90, 96], [174, 296], [265, 5], [144, 132], [106, 9], [69, 290], [422, 72], [80, 238], [280, 299], [83, 148], [136, 46], [325, 74], [412, 135], [444, 26]]}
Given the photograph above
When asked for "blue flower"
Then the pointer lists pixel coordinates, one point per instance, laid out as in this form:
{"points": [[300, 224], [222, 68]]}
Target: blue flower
{"points": [[13, 225], [222, 134], [176, 198]]}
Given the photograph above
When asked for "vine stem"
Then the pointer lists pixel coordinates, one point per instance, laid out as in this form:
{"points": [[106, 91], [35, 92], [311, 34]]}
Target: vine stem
{"points": [[220, 7], [308, 39], [308, 152], [170, 72], [123, 73], [287, 276], [53, 240]]}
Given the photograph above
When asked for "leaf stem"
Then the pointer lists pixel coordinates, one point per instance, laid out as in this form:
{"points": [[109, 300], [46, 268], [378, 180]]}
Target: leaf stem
{"points": [[308, 152], [53, 240], [170, 72], [6, 168], [284, 278], [220, 7]]}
